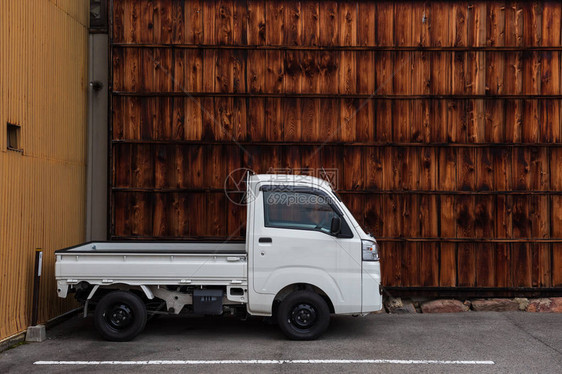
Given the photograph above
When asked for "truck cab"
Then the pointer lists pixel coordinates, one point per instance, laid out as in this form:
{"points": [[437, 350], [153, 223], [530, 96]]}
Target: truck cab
{"points": [[305, 257], [301, 233]]}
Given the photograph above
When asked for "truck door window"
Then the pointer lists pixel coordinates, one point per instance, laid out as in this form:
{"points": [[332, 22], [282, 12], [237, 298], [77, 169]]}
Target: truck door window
{"points": [[298, 210]]}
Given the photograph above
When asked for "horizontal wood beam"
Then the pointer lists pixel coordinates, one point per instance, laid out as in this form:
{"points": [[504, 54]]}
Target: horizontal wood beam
{"points": [[382, 240], [334, 143], [347, 192], [373, 96], [382, 48]]}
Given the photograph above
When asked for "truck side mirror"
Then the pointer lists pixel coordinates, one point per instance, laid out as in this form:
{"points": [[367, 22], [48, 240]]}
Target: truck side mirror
{"points": [[335, 228]]}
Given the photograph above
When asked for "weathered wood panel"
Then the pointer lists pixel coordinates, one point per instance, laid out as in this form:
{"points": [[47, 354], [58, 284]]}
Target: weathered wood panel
{"points": [[442, 121]]}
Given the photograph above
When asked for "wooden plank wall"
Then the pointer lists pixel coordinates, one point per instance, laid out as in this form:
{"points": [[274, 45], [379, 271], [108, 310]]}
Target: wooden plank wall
{"points": [[44, 90], [443, 120]]}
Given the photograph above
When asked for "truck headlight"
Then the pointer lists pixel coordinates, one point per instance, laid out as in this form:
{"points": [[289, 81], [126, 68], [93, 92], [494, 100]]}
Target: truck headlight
{"points": [[370, 250]]}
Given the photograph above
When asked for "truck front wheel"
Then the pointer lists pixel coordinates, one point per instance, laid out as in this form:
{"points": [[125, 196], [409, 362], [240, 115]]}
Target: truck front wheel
{"points": [[120, 316], [303, 315]]}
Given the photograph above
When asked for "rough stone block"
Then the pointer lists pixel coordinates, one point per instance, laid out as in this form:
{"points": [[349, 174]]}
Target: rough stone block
{"points": [[399, 306], [552, 305], [407, 307], [495, 305], [444, 306], [523, 303], [36, 333], [392, 303]]}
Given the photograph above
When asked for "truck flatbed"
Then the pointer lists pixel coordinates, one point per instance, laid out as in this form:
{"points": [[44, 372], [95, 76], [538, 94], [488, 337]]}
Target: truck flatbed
{"points": [[152, 263], [188, 247]]}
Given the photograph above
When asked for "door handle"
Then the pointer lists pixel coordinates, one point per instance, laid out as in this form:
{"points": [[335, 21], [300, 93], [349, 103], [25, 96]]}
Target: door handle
{"points": [[265, 240]]}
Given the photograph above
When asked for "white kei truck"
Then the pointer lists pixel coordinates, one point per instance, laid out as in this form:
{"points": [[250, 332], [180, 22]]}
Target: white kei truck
{"points": [[304, 257]]}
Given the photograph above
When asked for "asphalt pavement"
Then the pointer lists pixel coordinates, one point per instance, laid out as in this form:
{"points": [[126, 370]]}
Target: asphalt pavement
{"points": [[472, 342]]}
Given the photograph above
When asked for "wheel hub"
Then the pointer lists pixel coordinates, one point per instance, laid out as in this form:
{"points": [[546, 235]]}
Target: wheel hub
{"points": [[119, 316], [303, 316]]}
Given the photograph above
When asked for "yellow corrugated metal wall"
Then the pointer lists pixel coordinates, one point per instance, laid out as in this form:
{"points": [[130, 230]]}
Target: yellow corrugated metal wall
{"points": [[43, 85]]}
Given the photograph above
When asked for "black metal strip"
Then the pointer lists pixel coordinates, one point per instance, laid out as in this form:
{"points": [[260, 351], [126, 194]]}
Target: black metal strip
{"points": [[337, 96], [345, 48]]}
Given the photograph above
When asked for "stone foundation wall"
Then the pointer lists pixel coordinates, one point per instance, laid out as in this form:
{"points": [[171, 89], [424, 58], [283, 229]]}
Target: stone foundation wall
{"points": [[418, 305]]}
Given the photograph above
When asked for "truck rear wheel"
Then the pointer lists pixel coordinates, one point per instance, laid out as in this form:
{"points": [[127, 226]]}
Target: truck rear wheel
{"points": [[303, 315], [120, 316]]}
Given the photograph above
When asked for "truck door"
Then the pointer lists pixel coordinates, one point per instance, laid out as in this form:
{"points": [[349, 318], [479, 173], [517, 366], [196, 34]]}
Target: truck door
{"points": [[293, 243]]}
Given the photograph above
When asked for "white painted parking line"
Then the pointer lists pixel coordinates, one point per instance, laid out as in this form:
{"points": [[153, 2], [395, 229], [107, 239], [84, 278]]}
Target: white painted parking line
{"points": [[266, 362]]}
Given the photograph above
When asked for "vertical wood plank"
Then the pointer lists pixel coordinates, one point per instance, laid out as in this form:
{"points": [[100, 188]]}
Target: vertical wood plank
{"points": [[194, 16], [274, 22], [411, 259], [293, 23], [256, 70], [540, 227], [504, 214], [256, 22], [556, 214], [429, 168], [240, 22], [310, 125], [448, 265], [347, 22], [503, 265], [485, 265], [348, 120], [292, 124], [178, 36], [485, 170], [374, 169], [294, 75], [311, 21], [466, 177], [373, 215], [224, 22], [275, 72], [256, 119], [365, 121], [383, 120], [555, 170], [273, 120], [466, 265], [429, 264], [465, 211], [391, 207], [328, 23], [522, 265], [384, 23], [429, 216], [448, 169], [541, 268], [208, 9], [328, 75], [348, 73], [521, 223], [328, 120], [484, 217], [353, 171], [556, 264], [366, 24]]}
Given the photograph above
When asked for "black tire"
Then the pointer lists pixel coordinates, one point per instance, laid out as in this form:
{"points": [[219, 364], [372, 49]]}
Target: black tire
{"points": [[120, 316], [303, 315]]}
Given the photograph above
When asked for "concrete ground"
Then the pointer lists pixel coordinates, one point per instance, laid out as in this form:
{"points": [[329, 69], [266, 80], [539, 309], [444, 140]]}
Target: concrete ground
{"points": [[488, 342]]}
